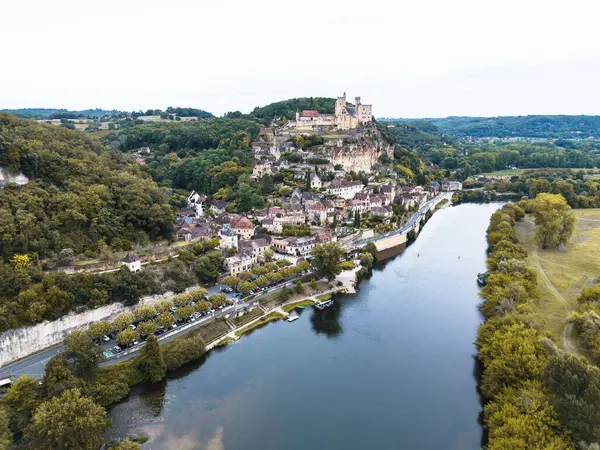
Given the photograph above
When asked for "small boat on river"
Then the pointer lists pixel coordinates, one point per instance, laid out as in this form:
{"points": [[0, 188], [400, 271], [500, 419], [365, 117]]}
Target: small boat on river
{"points": [[292, 318], [324, 304]]}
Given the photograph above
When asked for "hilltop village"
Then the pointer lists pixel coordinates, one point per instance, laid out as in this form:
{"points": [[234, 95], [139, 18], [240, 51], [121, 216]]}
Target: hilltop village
{"points": [[317, 196]]}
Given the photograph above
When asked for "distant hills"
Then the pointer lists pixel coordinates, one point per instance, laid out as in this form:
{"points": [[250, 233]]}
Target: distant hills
{"points": [[56, 113], [539, 126]]}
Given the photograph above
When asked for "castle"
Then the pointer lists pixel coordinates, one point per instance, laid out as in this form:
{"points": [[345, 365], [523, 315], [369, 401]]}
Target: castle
{"points": [[347, 116]]}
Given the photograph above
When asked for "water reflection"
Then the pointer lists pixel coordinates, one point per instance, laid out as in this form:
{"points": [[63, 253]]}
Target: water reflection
{"points": [[327, 322], [152, 398]]}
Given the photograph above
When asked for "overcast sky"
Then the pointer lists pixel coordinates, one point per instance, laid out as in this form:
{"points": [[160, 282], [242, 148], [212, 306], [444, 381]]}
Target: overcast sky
{"points": [[412, 58]]}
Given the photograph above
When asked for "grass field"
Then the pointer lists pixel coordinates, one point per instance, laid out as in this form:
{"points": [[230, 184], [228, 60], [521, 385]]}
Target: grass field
{"points": [[563, 273], [269, 317], [505, 173], [516, 172], [291, 306]]}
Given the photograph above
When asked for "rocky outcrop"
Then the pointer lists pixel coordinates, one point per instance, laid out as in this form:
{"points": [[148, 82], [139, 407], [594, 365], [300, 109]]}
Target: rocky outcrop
{"points": [[359, 153]]}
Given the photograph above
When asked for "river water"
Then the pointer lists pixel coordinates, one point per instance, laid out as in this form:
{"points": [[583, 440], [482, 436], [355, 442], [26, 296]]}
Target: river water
{"points": [[390, 367]]}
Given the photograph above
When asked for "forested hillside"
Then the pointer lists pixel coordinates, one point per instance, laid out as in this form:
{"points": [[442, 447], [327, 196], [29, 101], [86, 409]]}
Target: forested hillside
{"points": [[52, 113], [80, 195], [288, 108], [468, 158], [520, 126]]}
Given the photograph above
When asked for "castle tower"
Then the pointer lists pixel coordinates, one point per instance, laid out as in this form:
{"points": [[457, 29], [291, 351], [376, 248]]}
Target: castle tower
{"points": [[357, 102]]}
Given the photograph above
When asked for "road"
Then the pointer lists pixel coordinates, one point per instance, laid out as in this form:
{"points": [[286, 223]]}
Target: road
{"points": [[33, 365], [408, 225]]}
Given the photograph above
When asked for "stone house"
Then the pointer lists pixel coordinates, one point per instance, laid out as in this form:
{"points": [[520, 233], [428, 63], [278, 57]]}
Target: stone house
{"points": [[218, 206], [317, 213], [295, 246], [243, 227], [229, 238], [381, 211], [315, 181], [254, 247], [132, 262], [345, 189], [451, 185], [239, 263], [357, 205]]}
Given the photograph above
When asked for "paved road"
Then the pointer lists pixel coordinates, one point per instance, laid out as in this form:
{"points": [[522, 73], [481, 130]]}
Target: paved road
{"points": [[407, 226], [34, 365]]}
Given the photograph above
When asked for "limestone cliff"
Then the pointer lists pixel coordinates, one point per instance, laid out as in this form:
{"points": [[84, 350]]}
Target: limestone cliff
{"points": [[359, 153]]}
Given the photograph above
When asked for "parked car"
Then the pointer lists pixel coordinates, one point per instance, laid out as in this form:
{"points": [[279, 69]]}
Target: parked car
{"points": [[132, 326], [105, 338], [135, 342], [116, 349]]}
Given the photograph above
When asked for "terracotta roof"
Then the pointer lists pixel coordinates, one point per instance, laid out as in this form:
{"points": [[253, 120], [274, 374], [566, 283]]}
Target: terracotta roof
{"points": [[309, 113], [243, 222], [316, 206]]}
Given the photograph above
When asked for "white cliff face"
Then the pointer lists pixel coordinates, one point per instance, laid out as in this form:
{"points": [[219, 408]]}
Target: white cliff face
{"points": [[15, 344], [359, 154]]}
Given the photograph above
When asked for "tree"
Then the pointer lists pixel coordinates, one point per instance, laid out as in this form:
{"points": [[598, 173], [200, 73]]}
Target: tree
{"points": [[230, 280], [126, 444], [575, 385], [313, 284], [198, 293], [244, 276], [162, 306], [145, 312], [370, 248], [553, 219], [327, 258], [146, 328], [5, 434], [185, 311], [123, 320], [80, 347], [259, 270], [202, 306], [271, 266], [286, 272], [246, 287], [284, 262], [356, 219], [151, 362], [303, 266], [299, 287], [165, 320], [86, 423], [274, 277], [21, 399], [66, 257], [98, 329], [208, 267], [269, 254], [127, 336], [345, 265], [217, 300], [261, 281], [58, 377], [182, 299]]}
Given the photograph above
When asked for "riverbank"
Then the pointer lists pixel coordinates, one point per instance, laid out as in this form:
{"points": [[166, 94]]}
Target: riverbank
{"points": [[402, 344], [516, 353]]}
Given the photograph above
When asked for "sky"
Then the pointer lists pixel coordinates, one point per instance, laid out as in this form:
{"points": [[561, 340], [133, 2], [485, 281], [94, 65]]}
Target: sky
{"points": [[429, 58]]}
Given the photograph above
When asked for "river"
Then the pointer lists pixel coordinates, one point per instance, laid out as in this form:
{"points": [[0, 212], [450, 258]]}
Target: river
{"points": [[390, 367]]}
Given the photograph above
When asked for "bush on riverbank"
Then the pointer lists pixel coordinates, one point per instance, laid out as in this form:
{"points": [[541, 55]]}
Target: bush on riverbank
{"points": [[519, 413]]}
